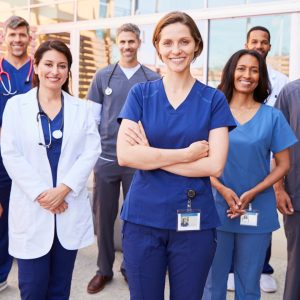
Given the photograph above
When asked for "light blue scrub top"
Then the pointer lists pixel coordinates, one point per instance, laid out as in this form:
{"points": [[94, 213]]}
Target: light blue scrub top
{"points": [[53, 152], [248, 163], [155, 196]]}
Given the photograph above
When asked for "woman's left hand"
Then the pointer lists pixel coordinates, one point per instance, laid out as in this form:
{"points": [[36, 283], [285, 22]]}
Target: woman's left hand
{"points": [[136, 135], [52, 199]]}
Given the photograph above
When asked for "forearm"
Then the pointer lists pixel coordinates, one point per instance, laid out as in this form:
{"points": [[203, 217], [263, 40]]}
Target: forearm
{"points": [[213, 164], [202, 167], [149, 158], [276, 175]]}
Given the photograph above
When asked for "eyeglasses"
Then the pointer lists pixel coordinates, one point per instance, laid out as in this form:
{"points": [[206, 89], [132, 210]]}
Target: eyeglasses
{"points": [[39, 116]]}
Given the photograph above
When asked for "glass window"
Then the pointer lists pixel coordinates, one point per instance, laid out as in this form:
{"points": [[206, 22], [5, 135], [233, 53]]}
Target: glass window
{"points": [[154, 6], [213, 3], [225, 39], [122, 8], [5, 14], [280, 28], [6, 5], [50, 14], [97, 50], [93, 9]]}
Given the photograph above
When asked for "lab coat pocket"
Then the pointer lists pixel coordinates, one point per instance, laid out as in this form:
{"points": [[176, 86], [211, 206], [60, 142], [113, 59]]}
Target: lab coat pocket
{"points": [[19, 216]]}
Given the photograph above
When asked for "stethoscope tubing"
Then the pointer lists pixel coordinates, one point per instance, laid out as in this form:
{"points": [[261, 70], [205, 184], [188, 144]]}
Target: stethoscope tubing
{"points": [[7, 89], [108, 89]]}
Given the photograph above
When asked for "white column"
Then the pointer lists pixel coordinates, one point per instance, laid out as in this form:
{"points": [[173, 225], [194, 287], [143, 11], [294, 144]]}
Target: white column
{"points": [[75, 50], [295, 47]]}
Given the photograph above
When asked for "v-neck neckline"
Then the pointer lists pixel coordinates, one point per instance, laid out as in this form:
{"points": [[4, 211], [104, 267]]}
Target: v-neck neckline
{"points": [[13, 67], [251, 119], [189, 94], [124, 75]]}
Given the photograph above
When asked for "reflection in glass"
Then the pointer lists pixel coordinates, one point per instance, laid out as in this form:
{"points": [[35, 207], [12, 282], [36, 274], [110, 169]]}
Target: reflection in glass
{"points": [[213, 3], [154, 6], [50, 14], [224, 40], [6, 5], [95, 9], [96, 52]]}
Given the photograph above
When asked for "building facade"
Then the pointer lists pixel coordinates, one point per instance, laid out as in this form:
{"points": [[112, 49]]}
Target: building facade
{"points": [[89, 27]]}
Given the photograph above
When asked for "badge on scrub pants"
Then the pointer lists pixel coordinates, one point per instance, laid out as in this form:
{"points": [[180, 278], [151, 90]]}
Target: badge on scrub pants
{"points": [[189, 219], [250, 218]]}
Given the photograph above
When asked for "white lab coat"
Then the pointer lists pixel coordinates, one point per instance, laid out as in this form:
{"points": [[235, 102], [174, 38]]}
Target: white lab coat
{"points": [[278, 81], [31, 227]]}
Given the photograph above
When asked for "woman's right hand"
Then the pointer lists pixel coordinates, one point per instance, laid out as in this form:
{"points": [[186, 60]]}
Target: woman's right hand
{"points": [[196, 151]]}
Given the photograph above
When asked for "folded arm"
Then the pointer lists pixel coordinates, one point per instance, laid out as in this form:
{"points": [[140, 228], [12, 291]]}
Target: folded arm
{"points": [[140, 155]]}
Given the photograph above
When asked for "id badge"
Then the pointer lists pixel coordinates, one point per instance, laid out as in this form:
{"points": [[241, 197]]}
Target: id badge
{"points": [[250, 218], [188, 220]]}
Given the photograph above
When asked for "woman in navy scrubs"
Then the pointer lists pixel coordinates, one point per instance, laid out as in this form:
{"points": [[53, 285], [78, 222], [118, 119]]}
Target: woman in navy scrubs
{"points": [[245, 187], [175, 132], [49, 145]]}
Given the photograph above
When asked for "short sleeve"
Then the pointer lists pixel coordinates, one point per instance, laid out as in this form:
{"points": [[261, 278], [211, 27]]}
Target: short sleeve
{"points": [[283, 136], [220, 113], [133, 107], [95, 92]]}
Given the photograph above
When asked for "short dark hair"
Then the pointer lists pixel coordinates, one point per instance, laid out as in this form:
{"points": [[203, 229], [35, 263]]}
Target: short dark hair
{"points": [[52, 45], [129, 27], [14, 22], [263, 89], [261, 28], [178, 17]]}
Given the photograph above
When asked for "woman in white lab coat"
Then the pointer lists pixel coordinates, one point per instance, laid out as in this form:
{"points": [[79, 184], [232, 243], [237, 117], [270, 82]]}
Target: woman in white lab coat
{"points": [[49, 145]]}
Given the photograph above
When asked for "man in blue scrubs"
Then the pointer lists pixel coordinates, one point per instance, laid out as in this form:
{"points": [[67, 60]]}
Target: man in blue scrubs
{"points": [[16, 78]]}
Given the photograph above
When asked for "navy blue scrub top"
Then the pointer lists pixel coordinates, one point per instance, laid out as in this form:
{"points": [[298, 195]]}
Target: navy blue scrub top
{"points": [[19, 84], [53, 152], [155, 196]]}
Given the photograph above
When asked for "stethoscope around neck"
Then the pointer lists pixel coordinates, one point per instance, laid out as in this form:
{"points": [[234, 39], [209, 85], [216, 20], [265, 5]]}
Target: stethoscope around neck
{"points": [[108, 91], [7, 89], [58, 133]]}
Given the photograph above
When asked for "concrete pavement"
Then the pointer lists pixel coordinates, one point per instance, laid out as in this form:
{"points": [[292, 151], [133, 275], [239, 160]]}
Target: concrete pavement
{"points": [[117, 290]]}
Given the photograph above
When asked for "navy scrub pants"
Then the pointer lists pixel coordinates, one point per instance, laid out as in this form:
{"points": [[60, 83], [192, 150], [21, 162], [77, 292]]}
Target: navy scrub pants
{"points": [[149, 252], [48, 277], [5, 259]]}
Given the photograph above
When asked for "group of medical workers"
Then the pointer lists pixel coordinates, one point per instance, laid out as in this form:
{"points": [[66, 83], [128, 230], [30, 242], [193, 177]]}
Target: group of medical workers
{"points": [[202, 170]]}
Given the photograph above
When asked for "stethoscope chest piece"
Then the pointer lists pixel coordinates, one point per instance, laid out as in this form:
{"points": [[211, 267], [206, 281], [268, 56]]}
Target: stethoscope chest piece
{"points": [[57, 134], [108, 91]]}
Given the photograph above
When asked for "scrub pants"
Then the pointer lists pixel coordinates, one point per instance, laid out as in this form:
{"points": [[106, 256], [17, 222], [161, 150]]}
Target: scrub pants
{"points": [[108, 176], [248, 265], [5, 259], [48, 277], [149, 252]]}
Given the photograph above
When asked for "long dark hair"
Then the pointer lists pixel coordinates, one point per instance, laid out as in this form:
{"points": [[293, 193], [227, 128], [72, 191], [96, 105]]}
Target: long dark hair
{"points": [[263, 89], [59, 46]]}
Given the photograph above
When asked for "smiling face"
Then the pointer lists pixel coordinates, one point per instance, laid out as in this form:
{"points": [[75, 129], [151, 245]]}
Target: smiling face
{"points": [[17, 41], [128, 44], [246, 74], [259, 41], [176, 47], [52, 70]]}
